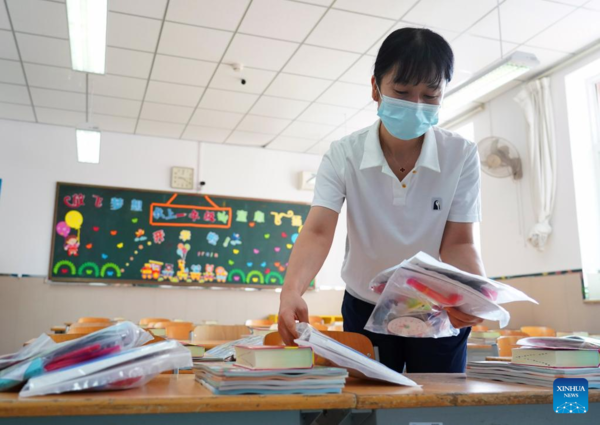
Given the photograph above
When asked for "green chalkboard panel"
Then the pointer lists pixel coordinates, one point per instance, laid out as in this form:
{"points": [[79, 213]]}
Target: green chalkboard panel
{"points": [[118, 235]]}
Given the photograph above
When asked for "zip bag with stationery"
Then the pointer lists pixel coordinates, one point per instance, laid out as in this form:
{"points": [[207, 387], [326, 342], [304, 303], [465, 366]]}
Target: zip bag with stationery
{"points": [[126, 369], [415, 293], [98, 344]]}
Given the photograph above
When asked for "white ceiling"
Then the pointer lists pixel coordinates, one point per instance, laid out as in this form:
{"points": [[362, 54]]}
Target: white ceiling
{"points": [[307, 63]]}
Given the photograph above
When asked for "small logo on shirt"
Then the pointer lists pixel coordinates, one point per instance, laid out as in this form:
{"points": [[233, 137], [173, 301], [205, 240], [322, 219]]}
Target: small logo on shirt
{"points": [[436, 204]]}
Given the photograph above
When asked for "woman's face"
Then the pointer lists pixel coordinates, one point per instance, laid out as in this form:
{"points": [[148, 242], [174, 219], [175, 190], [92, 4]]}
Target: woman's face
{"points": [[420, 93]]}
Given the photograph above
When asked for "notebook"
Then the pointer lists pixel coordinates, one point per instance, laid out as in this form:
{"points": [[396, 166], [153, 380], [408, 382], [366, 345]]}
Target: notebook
{"points": [[571, 342], [530, 375], [197, 351], [341, 355], [555, 358], [273, 357], [227, 378]]}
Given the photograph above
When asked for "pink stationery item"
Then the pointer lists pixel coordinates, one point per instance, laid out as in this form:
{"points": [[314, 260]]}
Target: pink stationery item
{"points": [[83, 355], [450, 300]]}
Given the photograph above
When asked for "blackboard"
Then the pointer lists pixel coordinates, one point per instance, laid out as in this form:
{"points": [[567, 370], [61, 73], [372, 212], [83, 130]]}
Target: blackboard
{"points": [[119, 235]]}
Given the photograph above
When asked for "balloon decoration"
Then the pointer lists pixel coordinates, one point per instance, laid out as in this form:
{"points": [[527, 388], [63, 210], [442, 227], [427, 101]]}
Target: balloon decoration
{"points": [[74, 219], [63, 229], [182, 250]]}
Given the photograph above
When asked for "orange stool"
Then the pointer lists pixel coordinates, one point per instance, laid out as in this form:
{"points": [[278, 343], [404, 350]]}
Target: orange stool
{"points": [[259, 323], [538, 331], [315, 319], [179, 330], [511, 332], [147, 320], [87, 328], [93, 320], [320, 326], [506, 344], [479, 328]]}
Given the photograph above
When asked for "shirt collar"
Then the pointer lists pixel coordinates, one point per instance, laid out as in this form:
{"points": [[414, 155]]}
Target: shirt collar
{"points": [[373, 155]]}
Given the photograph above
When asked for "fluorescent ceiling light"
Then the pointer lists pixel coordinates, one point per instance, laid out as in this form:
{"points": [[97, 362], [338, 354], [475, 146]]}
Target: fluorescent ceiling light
{"points": [[87, 34], [88, 146], [490, 79]]}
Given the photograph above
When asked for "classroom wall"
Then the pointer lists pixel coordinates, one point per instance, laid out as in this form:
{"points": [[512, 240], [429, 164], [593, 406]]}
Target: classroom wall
{"points": [[28, 306], [506, 204], [33, 157], [560, 307]]}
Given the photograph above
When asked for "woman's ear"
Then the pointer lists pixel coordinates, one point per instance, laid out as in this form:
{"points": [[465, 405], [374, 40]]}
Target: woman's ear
{"points": [[374, 91]]}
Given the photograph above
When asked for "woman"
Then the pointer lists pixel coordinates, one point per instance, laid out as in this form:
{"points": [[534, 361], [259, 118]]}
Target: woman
{"points": [[409, 187]]}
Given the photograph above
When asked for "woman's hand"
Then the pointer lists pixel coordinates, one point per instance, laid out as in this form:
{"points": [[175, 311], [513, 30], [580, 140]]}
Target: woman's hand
{"points": [[460, 319], [291, 308]]}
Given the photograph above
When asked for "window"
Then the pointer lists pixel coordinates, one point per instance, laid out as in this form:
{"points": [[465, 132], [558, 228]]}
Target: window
{"points": [[582, 89]]}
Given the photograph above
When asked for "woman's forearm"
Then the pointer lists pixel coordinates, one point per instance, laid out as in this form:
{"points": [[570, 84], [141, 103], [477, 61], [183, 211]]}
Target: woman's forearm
{"points": [[465, 257]]}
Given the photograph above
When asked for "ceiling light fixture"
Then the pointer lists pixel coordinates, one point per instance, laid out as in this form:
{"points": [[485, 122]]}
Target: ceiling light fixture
{"points": [[87, 34], [88, 145], [490, 79]]}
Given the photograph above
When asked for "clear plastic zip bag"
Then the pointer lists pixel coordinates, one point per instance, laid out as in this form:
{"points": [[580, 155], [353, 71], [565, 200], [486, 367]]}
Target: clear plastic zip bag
{"points": [[415, 293], [98, 344], [127, 369]]}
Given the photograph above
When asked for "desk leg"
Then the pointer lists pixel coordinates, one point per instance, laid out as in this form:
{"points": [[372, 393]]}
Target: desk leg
{"points": [[339, 417], [328, 417]]}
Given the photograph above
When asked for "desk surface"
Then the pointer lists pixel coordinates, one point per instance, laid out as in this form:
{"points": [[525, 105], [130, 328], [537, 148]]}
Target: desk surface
{"points": [[182, 394], [446, 390], [164, 394]]}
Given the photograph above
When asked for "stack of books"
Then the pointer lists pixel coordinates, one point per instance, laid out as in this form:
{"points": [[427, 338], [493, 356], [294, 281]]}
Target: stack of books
{"points": [[270, 370], [484, 338], [197, 351], [541, 360]]}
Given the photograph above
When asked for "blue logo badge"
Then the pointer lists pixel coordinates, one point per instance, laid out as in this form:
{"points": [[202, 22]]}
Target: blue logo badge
{"points": [[570, 395]]}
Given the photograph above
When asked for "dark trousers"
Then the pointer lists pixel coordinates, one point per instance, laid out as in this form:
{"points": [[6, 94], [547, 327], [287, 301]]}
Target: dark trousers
{"points": [[420, 355]]}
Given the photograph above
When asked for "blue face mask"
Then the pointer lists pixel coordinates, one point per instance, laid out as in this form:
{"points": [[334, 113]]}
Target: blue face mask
{"points": [[406, 120]]}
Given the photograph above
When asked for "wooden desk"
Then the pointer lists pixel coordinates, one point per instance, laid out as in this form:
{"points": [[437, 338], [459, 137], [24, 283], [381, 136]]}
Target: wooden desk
{"points": [[180, 399], [166, 394], [498, 359], [451, 400]]}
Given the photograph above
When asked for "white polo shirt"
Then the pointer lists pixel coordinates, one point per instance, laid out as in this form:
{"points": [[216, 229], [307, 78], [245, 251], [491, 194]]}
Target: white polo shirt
{"points": [[388, 220]]}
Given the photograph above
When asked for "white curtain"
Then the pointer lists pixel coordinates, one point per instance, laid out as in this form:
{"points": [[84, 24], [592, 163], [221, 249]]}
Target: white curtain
{"points": [[536, 102]]}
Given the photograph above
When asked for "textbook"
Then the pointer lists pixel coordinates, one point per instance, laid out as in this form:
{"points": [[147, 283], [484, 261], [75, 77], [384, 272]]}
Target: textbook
{"points": [[197, 351], [530, 375], [228, 378], [571, 342], [341, 355], [273, 357], [555, 358], [486, 338]]}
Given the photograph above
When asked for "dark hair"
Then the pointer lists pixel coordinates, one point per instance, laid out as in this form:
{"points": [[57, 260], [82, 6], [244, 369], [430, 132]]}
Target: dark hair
{"points": [[415, 55]]}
